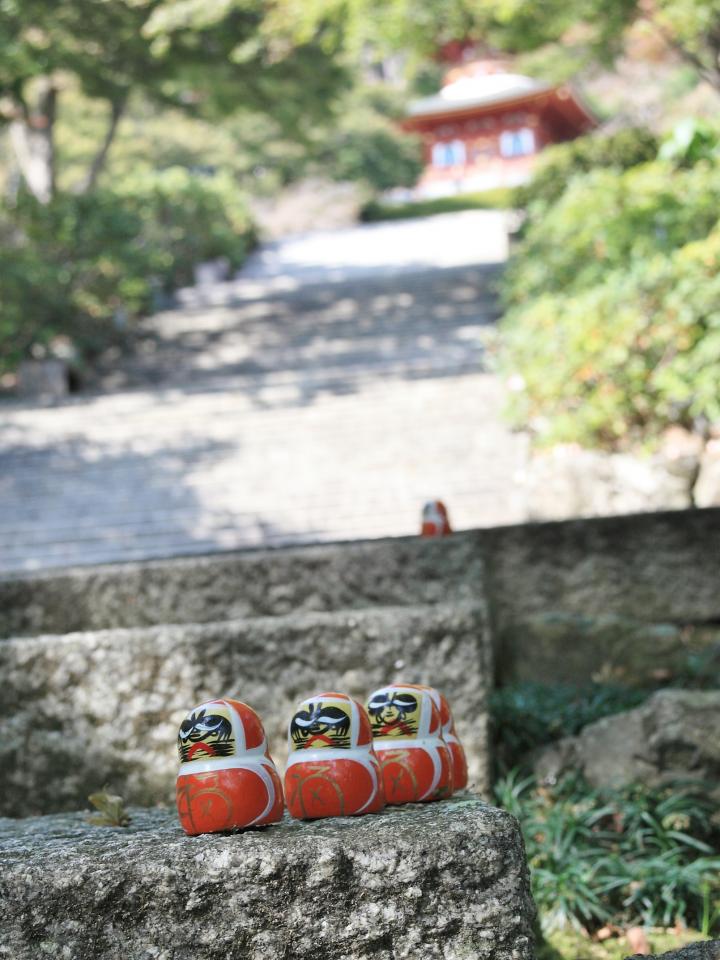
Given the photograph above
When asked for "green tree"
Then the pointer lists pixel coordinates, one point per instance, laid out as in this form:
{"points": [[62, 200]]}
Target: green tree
{"points": [[206, 66]]}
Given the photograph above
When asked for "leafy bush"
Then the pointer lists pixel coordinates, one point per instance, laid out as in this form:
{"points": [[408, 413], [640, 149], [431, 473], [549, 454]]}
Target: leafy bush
{"points": [[82, 266], [607, 221], [558, 165], [691, 141], [622, 360], [630, 856], [529, 715]]}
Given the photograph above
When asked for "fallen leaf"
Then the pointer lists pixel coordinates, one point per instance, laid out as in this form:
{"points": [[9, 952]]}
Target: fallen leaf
{"points": [[638, 941]]}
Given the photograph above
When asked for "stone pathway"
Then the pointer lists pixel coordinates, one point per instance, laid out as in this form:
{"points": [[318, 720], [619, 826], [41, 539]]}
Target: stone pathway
{"points": [[324, 394]]}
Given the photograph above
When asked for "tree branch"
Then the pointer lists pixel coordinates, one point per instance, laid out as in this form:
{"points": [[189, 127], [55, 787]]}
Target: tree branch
{"points": [[710, 75], [117, 108]]}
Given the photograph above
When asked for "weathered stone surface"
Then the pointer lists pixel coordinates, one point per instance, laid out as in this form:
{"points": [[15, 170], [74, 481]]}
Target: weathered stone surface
{"points": [[87, 709], [576, 649], [654, 568], [231, 585], [445, 880], [705, 950], [707, 486], [43, 379], [675, 734], [569, 481]]}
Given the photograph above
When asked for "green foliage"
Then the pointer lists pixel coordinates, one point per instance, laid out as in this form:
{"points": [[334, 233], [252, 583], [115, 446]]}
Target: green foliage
{"points": [[691, 141], [529, 715], [639, 349], [502, 198], [607, 221], [82, 266], [629, 856], [558, 165]]}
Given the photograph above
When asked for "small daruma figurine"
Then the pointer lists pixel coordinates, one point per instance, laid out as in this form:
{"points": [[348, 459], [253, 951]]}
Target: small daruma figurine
{"points": [[332, 770], [435, 521], [407, 736], [458, 761], [227, 779]]}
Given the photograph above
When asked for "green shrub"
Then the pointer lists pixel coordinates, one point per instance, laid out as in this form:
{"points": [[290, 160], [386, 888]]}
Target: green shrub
{"points": [[629, 856], [558, 165], [82, 266], [529, 715], [608, 221], [501, 198], [638, 351]]}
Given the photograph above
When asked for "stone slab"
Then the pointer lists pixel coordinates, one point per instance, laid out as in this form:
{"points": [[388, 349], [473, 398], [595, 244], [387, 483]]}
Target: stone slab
{"points": [[222, 586], [88, 709], [653, 568], [674, 735], [445, 880], [704, 950]]}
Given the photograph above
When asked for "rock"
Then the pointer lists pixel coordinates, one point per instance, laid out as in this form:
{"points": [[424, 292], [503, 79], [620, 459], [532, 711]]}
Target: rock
{"points": [[408, 570], [651, 568], [444, 880], [103, 708], [570, 481], [575, 649], [43, 379], [707, 486], [674, 735], [705, 950]]}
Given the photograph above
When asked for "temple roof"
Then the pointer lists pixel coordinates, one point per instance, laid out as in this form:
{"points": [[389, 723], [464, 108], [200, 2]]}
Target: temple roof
{"points": [[477, 91]]}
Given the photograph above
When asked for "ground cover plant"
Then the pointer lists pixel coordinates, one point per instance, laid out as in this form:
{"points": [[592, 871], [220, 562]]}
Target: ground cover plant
{"points": [[502, 198], [625, 857], [525, 716]]}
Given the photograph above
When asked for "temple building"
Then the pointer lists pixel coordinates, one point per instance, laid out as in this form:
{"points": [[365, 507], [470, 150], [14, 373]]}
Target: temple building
{"points": [[486, 126]]}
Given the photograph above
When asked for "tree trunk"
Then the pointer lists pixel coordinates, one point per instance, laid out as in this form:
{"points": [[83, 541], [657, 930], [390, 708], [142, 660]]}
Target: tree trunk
{"points": [[33, 142], [96, 167]]}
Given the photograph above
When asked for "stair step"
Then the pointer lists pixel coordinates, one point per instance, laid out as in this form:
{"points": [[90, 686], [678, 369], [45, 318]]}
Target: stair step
{"points": [[436, 880], [229, 585], [103, 707]]}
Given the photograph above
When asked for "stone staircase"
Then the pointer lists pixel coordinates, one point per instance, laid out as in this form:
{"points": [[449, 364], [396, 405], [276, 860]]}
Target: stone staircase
{"points": [[117, 655], [99, 664]]}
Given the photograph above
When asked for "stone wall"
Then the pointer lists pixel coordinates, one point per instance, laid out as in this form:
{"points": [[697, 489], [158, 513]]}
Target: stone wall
{"points": [[259, 583], [104, 707], [439, 881], [652, 568]]}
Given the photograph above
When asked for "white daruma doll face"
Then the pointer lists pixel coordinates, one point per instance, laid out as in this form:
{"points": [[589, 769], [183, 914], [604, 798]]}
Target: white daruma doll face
{"points": [[227, 779], [407, 735], [332, 769]]}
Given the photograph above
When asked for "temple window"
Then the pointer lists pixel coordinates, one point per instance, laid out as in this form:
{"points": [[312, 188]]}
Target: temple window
{"points": [[517, 143], [450, 154]]}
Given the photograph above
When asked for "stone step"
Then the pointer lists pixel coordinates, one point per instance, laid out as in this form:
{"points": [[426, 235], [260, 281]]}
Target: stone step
{"points": [[88, 709], [444, 880], [227, 586]]}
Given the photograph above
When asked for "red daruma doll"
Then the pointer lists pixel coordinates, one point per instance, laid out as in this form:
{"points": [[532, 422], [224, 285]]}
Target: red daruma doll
{"points": [[227, 779], [449, 735], [407, 736], [435, 522], [332, 770]]}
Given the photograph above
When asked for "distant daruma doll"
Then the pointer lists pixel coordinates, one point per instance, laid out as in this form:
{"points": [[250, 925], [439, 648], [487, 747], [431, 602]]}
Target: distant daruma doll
{"points": [[227, 779], [407, 736], [449, 735], [332, 770], [435, 522]]}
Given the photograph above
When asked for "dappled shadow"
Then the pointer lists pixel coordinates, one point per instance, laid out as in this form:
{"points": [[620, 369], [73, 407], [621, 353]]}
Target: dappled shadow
{"points": [[287, 346], [75, 501]]}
